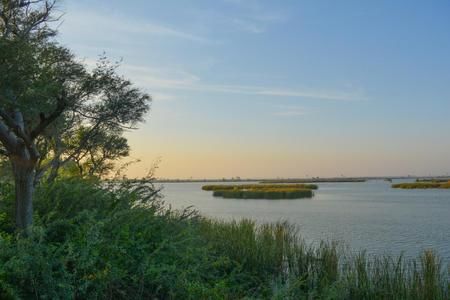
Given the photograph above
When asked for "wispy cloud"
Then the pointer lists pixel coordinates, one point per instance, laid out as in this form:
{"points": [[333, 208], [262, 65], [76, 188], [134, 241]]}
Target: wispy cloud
{"points": [[160, 78], [83, 22], [169, 79], [162, 97], [248, 26], [255, 17], [308, 93], [289, 111]]}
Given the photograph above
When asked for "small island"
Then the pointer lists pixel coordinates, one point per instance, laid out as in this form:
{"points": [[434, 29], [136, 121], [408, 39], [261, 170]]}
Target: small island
{"points": [[262, 191], [423, 185]]}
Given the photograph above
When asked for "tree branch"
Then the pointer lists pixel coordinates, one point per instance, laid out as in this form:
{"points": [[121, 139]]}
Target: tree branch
{"points": [[46, 121], [3, 152], [9, 121], [8, 140], [12, 126], [90, 134]]}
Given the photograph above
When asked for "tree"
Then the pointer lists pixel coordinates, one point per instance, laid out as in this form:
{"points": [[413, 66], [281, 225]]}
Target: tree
{"points": [[46, 94]]}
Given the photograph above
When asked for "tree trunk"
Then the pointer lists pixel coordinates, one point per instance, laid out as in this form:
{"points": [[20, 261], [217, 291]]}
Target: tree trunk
{"points": [[24, 171]]}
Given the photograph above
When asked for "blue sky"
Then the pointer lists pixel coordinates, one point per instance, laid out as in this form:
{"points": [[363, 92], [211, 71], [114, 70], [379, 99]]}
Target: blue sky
{"points": [[279, 88]]}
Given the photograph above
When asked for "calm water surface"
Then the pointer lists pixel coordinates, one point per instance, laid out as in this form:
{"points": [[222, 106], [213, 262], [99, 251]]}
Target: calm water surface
{"points": [[369, 215]]}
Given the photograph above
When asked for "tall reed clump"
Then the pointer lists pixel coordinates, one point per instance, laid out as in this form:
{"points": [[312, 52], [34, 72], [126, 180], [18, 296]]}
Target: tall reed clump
{"points": [[275, 259], [390, 277], [283, 266]]}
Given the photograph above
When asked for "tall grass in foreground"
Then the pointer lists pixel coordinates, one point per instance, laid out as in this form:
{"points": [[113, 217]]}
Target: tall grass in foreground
{"points": [[96, 241], [301, 271]]}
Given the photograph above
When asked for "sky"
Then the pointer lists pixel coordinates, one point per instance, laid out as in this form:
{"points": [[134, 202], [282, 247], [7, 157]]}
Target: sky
{"points": [[262, 89]]}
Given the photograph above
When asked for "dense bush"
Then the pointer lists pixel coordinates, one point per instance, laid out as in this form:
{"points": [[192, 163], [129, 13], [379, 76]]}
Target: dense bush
{"points": [[97, 240], [92, 241]]}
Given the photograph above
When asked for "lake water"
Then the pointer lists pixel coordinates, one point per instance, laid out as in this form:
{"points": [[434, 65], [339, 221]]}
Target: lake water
{"points": [[369, 215]]}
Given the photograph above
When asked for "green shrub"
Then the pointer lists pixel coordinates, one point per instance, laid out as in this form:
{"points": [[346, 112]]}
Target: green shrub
{"points": [[119, 242], [113, 242], [6, 207]]}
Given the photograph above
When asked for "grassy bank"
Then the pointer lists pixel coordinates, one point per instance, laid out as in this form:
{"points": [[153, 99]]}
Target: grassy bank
{"points": [[101, 241], [423, 185], [262, 191]]}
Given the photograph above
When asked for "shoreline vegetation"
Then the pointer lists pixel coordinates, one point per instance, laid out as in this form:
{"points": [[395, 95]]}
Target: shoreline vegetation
{"points": [[423, 185], [95, 240], [262, 191]]}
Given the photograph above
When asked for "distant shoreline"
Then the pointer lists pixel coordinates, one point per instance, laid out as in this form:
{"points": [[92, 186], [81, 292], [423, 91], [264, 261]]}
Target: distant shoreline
{"points": [[297, 180]]}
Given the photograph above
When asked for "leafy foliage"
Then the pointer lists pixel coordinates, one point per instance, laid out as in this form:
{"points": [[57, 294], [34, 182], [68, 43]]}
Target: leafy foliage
{"points": [[95, 240]]}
